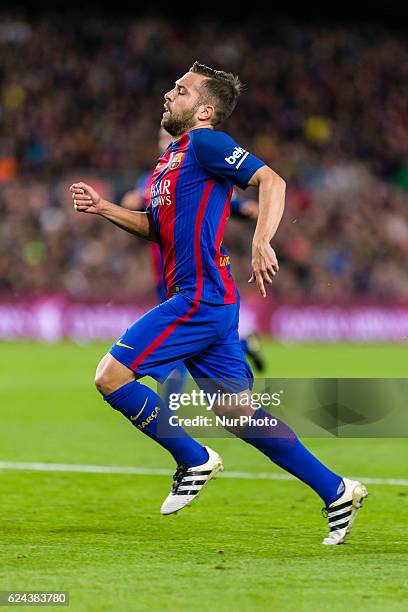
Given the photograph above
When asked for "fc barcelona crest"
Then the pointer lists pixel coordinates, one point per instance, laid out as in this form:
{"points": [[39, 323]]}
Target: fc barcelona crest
{"points": [[175, 160]]}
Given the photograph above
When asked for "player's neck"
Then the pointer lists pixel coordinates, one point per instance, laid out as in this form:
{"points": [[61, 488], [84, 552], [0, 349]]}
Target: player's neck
{"points": [[199, 126]]}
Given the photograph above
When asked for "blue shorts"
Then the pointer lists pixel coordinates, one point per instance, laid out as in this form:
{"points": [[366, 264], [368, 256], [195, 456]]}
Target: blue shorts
{"points": [[203, 336]]}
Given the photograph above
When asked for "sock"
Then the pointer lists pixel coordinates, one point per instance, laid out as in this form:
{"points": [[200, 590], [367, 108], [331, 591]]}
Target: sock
{"points": [[144, 409], [174, 383], [283, 447]]}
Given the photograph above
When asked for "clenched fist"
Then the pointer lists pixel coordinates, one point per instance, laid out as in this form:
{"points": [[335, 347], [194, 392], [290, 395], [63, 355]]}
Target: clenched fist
{"points": [[85, 198]]}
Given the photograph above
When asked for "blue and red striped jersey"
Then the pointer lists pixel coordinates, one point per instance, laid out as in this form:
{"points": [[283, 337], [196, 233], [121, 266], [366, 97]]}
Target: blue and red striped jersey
{"points": [[190, 194]]}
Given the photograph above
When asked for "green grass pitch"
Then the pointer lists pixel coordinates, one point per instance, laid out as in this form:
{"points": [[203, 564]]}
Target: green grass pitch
{"points": [[244, 545]]}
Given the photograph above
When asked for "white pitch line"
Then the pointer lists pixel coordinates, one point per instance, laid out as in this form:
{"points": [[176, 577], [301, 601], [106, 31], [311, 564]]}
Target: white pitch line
{"points": [[107, 469]]}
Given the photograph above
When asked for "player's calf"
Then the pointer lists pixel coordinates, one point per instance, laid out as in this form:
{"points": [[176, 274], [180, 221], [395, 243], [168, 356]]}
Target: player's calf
{"points": [[144, 408]]}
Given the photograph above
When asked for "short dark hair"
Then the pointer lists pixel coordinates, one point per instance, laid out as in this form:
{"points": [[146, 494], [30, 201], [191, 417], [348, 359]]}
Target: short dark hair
{"points": [[223, 89]]}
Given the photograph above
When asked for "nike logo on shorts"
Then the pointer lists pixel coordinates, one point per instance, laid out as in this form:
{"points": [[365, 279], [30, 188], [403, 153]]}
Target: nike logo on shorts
{"points": [[119, 343]]}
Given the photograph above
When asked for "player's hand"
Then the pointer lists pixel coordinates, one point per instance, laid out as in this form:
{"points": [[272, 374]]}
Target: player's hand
{"points": [[250, 209], [264, 265], [85, 198]]}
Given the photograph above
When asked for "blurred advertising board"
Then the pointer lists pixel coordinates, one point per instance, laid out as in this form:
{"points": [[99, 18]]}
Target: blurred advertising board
{"points": [[52, 318]]}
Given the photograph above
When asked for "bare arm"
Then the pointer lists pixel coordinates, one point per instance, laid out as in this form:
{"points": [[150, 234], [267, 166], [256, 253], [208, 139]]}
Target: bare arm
{"points": [[87, 200], [133, 221], [271, 205]]}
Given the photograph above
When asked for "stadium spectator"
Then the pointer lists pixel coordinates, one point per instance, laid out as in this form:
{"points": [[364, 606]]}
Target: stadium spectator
{"points": [[326, 107]]}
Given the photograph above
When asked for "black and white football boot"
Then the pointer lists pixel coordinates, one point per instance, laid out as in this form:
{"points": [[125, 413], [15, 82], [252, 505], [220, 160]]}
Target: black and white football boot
{"points": [[341, 514], [189, 481]]}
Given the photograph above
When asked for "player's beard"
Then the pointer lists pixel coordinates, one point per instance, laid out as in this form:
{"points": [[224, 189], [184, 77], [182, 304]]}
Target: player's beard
{"points": [[176, 125]]}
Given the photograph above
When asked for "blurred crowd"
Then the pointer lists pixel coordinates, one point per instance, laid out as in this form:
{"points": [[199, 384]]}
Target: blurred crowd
{"points": [[324, 106]]}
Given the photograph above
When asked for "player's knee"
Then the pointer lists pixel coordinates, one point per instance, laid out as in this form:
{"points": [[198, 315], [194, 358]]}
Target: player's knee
{"points": [[110, 377], [102, 382], [232, 415], [106, 382]]}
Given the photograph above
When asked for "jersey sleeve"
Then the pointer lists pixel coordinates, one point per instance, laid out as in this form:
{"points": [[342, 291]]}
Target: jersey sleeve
{"points": [[219, 154]]}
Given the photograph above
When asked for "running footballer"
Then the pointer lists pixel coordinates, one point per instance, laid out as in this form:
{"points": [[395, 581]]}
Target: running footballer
{"points": [[190, 193]]}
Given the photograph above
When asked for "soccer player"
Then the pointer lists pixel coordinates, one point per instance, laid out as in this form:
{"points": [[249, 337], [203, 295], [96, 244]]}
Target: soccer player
{"points": [[190, 191]]}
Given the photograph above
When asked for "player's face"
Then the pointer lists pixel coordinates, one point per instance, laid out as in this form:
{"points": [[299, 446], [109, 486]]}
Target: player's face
{"points": [[182, 104]]}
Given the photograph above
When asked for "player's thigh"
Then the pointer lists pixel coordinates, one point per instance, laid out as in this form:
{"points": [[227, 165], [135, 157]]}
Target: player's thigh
{"points": [[164, 337], [223, 367]]}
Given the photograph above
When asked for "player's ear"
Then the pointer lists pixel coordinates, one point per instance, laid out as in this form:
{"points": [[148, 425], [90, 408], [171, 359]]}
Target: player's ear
{"points": [[206, 112]]}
